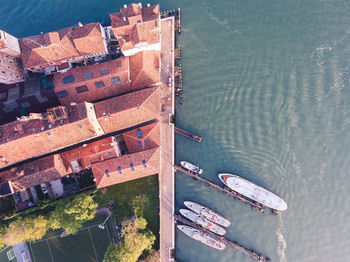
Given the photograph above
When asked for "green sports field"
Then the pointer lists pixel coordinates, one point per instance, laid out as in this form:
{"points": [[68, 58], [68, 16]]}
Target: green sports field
{"points": [[88, 245], [4, 257]]}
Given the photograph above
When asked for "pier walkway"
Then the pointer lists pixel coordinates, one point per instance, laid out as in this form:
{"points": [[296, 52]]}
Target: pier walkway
{"points": [[253, 204], [166, 176], [188, 134], [253, 254]]}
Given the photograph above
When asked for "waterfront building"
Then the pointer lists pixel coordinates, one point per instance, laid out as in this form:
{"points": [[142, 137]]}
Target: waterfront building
{"points": [[57, 51], [93, 82], [136, 28], [11, 70]]}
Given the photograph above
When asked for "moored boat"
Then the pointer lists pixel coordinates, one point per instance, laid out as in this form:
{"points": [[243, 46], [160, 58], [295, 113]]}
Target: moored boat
{"points": [[202, 237], [208, 213], [252, 191], [203, 222], [191, 167]]}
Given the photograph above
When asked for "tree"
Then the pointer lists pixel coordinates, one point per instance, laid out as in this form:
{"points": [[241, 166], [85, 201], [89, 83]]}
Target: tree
{"points": [[24, 229], [2, 242], [72, 214], [153, 256], [135, 239]]}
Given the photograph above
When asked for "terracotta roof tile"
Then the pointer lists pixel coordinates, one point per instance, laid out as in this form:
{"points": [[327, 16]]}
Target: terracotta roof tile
{"points": [[62, 44], [128, 110], [91, 77], [144, 69], [135, 25], [150, 138], [133, 166], [36, 172], [24, 139]]}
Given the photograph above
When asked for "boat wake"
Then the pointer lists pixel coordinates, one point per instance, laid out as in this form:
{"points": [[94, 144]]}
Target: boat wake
{"points": [[282, 244]]}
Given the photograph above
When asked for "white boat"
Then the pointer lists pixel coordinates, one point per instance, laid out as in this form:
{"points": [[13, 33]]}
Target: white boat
{"points": [[191, 167], [252, 191], [208, 213], [203, 222], [202, 237]]}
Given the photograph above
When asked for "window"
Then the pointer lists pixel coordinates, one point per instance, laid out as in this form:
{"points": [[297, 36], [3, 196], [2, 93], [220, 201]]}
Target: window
{"points": [[68, 79], [139, 134], [106, 171], [110, 153], [119, 169], [104, 71], [80, 126], [139, 144], [132, 166], [118, 63], [138, 21], [116, 80], [99, 84], [81, 89], [147, 142], [144, 163], [62, 94], [88, 75]]}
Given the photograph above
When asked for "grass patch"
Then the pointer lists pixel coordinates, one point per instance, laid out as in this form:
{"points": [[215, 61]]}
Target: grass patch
{"points": [[140, 194]]}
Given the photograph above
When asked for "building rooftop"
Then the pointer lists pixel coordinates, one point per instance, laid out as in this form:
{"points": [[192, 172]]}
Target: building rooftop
{"points": [[93, 82], [135, 25], [142, 138], [38, 134], [36, 172], [128, 110], [127, 167], [144, 69], [62, 44]]}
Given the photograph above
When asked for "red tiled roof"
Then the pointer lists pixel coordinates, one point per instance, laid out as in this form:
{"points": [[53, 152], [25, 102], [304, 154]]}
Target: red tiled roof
{"points": [[91, 152], [150, 138], [24, 139], [135, 25], [36, 172], [116, 68], [144, 69], [62, 44], [128, 110], [106, 173]]}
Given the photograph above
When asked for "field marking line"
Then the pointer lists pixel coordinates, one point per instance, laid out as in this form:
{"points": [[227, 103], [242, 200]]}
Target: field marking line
{"points": [[32, 251], [92, 242], [110, 240], [48, 244]]}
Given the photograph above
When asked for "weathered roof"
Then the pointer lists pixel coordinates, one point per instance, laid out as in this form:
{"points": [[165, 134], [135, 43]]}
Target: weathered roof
{"points": [[135, 25], [62, 44], [127, 167], [142, 138], [36, 172], [91, 77], [144, 69], [128, 110], [44, 133]]}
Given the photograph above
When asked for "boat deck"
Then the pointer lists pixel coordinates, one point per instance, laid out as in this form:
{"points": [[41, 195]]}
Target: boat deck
{"points": [[253, 254], [226, 190]]}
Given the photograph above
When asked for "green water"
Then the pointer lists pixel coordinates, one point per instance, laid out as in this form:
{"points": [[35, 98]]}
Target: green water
{"points": [[266, 83]]}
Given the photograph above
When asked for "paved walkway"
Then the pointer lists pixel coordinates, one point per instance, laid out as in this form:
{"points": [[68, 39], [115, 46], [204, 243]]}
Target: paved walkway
{"points": [[166, 176], [22, 252]]}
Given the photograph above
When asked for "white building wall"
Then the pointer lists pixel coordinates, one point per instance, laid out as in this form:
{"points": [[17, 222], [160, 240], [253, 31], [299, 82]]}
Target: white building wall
{"points": [[130, 52]]}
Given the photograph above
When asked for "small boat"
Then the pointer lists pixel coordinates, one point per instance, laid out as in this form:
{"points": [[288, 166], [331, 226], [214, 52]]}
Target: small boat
{"points": [[191, 167], [202, 237], [252, 191], [208, 213], [203, 222]]}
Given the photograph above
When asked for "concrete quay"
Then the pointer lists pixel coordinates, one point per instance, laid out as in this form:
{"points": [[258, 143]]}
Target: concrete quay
{"points": [[167, 141]]}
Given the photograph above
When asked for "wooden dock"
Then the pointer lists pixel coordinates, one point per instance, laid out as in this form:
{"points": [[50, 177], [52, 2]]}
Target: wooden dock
{"points": [[253, 254], [227, 191], [188, 134]]}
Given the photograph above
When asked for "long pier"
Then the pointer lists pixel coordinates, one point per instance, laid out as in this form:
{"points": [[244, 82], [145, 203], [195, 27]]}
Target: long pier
{"points": [[188, 134], [231, 193], [253, 254]]}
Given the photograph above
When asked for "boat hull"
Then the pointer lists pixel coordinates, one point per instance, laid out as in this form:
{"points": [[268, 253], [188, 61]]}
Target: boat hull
{"points": [[254, 192], [202, 237], [208, 213], [191, 167], [203, 222]]}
